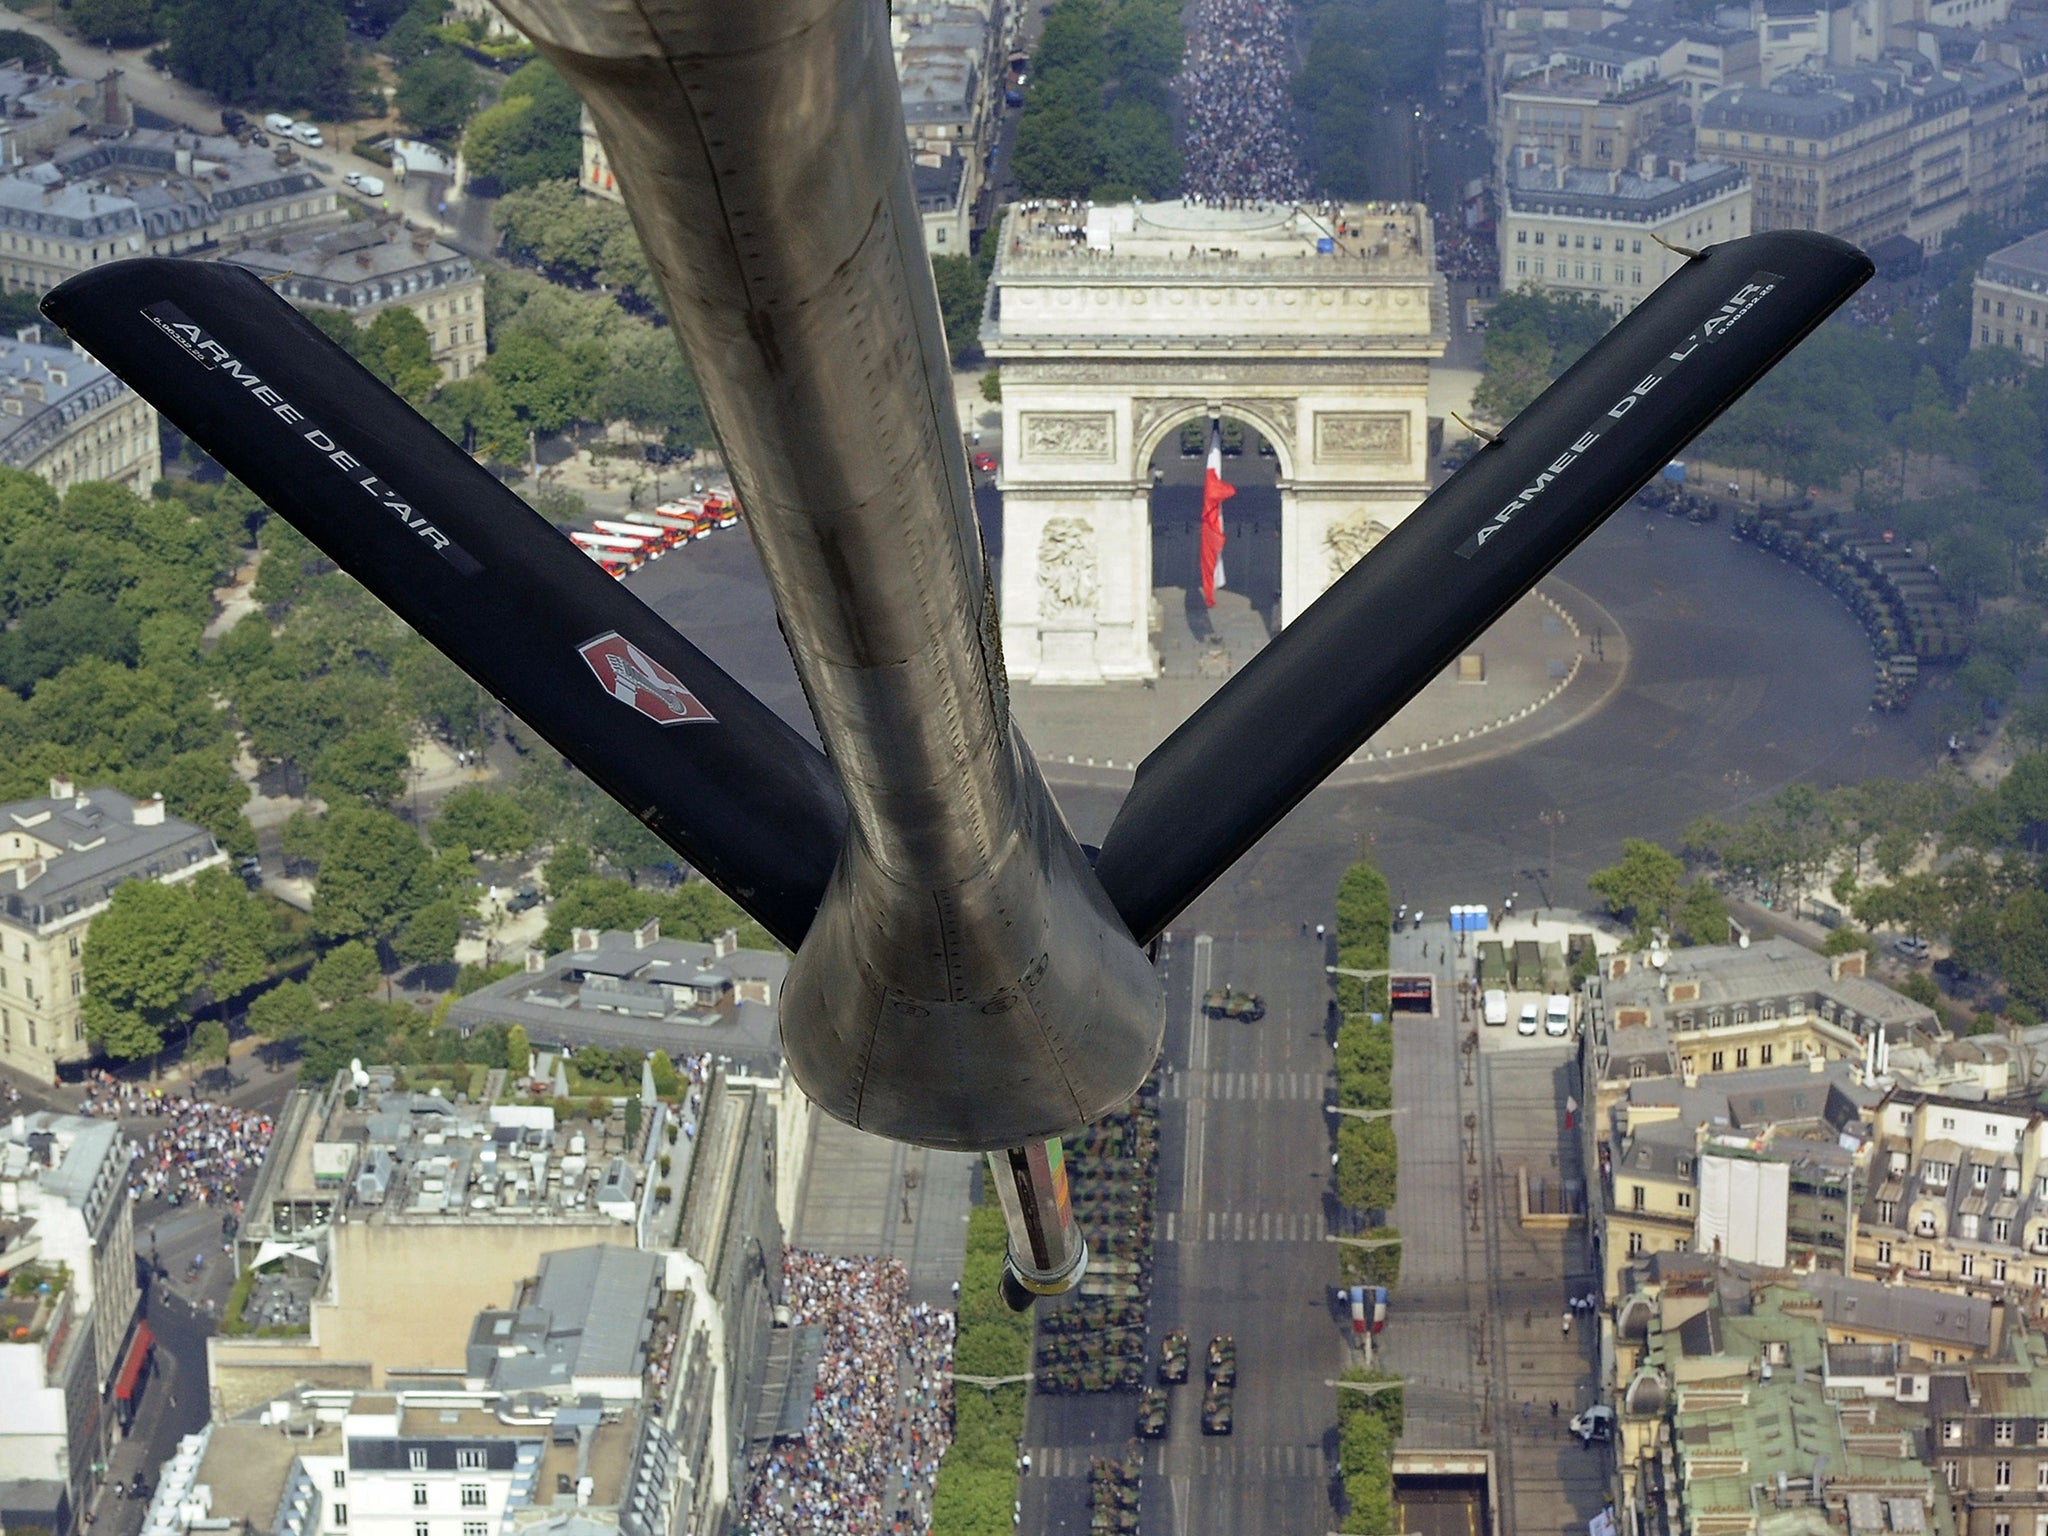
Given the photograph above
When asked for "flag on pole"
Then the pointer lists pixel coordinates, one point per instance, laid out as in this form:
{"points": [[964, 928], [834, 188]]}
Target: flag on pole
{"points": [[1214, 494]]}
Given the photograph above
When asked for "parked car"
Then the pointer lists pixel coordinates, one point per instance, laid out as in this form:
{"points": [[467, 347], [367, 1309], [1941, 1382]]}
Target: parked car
{"points": [[309, 135], [985, 462], [1493, 1004], [260, 139], [369, 186], [231, 121], [277, 122], [1596, 1423], [1525, 1024], [525, 899], [1557, 1015]]}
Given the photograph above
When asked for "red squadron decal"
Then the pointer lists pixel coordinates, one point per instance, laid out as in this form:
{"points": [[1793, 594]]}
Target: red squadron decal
{"points": [[633, 677]]}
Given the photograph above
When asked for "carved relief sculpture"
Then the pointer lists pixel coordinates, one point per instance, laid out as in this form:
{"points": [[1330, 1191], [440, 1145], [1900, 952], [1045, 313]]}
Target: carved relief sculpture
{"points": [[1365, 437], [1060, 436], [1347, 544], [1068, 584]]}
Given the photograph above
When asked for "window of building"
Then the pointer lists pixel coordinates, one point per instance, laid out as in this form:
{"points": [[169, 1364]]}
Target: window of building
{"points": [[475, 1528], [2001, 1431], [1884, 1253], [1763, 1055], [1539, 237], [1998, 1270], [1714, 1062], [1636, 1197], [1521, 237], [2040, 1278], [1967, 1264], [74, 946], [472, 1495], [1635, 1242], [469, 1459], [419, 1495], [1951, 1431], [1926, 1258], [416, 1459], [1539, 266], [341, 1477], [419, 1528], [2041, 1476], [339, 1517], [1685, 1199], [1966, 1226], [2001, 1230], [1742, 1056], [1521, 266], [1980, 1175]]}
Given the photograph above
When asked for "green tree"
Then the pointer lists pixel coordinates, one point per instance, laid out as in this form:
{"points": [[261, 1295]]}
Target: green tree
{"points": [[286, 1012], [546, 388], [289, 53], [396, 349], [1645, 887], [429, 935], [1703, 915], [648, 383], [2023, 947], [518, 1051], [483, 821], [374, 874], [367, 766], [475, 414], [533, 134], [345, 971], [234, 934], [38, 57], [961, 289], [110, 23], [209, 1043], [436, 93], [144, 957]]}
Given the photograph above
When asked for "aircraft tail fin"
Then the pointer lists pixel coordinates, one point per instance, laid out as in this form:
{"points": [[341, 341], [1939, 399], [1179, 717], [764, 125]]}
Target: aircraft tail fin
{"points": [[1339, 672], [707, 767]]}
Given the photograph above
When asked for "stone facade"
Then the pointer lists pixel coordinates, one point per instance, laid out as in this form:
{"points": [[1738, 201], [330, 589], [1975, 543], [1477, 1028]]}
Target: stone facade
{"points": [[1159, 316]]}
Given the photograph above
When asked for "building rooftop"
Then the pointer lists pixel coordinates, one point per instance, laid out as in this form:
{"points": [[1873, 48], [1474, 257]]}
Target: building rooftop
{"points": [[1819, 104], [588, 1315], [1356, 240], [1901, 1311], [651, 993], [61, 855], [354, 267], [2023, 264], [1560, 190]]}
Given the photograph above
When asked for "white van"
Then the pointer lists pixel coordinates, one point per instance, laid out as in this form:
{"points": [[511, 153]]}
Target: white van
{"points": [[1557, 1015], [309, 135], [277, 122], [1525, 1024], [1494, 1006], [369, 186]]}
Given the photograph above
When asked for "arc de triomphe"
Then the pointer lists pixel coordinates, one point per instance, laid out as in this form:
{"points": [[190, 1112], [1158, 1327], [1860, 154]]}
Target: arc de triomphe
{"points": [[1316, 329]]}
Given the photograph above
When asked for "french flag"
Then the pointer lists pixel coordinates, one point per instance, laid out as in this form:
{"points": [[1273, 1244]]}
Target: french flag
{"points": [[1214, 493]]}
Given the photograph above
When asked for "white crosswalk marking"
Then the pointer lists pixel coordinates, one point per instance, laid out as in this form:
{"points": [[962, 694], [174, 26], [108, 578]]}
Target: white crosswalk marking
{"points": [[1245, 1226], [1169, 1224]]}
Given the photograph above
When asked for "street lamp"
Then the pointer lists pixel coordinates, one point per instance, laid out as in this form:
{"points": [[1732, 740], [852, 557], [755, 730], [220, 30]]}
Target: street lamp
{"points": [[1552, 820]]}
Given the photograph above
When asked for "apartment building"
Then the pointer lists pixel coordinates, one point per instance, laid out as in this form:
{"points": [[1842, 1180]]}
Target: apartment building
{"points": [[1957, 1195], [1757, 1166], [1572, 117], [370, 267], [72, 1343], [61, 857], [65, 418], [2009, 298], [1863, 153], [1606, 236]]}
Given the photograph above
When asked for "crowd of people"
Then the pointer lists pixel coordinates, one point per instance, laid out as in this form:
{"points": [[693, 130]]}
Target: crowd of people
{"points": [[881, 1414], [1238, 145], [1464, 253], [196, 1150]]}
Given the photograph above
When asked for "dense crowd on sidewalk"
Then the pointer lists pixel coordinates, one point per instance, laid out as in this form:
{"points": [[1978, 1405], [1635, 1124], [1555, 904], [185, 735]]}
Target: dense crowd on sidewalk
{"points": [[1238, 145], [881, 1413]]}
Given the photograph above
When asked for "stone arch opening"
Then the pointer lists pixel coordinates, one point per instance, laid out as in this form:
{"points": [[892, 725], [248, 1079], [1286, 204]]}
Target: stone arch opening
{"points": [[1192, 638]]}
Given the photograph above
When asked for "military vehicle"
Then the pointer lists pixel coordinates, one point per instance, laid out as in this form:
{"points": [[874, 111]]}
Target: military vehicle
{"points": [[1227, 1002], [1222, 1366], [1217, 1410], [1152, 1410], [1173, 1358]]}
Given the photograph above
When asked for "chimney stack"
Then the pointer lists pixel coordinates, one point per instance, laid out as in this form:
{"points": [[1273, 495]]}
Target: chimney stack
{"points": [[150, 812]]}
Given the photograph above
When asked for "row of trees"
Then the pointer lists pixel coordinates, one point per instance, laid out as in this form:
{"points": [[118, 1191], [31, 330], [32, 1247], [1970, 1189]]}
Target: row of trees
{"points": [[1097, 122], [1934, 859], [1368, 1163], [1369, 1426], [1363, 59], [977, 1482]]}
